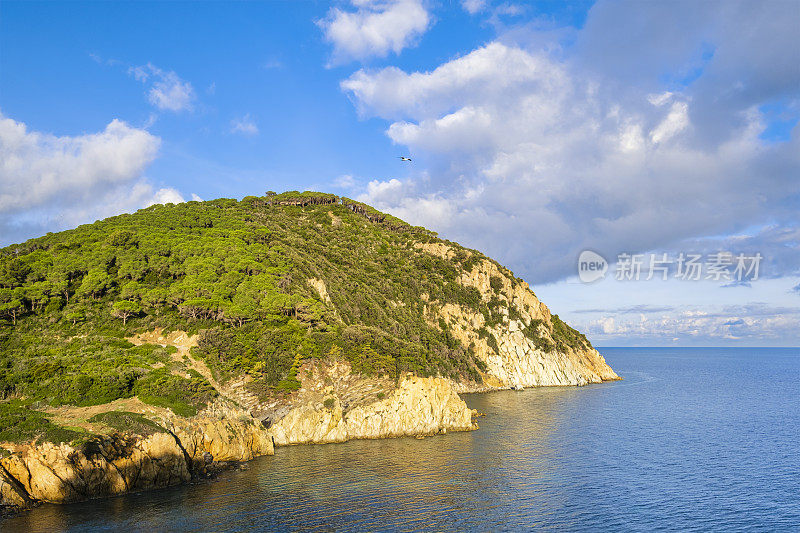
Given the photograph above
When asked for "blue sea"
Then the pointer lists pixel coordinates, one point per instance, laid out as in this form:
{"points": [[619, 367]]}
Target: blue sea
{"points": [[691, 440]]}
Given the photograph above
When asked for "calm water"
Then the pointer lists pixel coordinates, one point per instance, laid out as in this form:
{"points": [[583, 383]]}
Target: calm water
{"points": [[693, 439]]}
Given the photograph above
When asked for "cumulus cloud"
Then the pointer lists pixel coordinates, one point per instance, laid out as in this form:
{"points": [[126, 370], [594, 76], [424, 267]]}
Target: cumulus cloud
{"points": [[375, 28], [166, 195], [533, 156], [166, 90], [38, 168], [52, 182], [245, 125]]}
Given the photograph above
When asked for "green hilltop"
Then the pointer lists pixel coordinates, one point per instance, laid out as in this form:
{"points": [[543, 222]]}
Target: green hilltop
{"points": [[238, 273]]}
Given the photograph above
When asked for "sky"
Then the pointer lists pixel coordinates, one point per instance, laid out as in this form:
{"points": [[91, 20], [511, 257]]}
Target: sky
{"points": [[537, 131]]}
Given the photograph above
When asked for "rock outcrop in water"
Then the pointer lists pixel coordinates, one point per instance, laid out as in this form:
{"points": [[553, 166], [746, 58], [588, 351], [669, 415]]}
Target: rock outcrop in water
{"points": [[415, 406]]}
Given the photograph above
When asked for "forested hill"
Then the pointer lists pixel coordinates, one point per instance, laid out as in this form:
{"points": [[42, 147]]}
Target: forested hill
{"points": [[268, 282]]}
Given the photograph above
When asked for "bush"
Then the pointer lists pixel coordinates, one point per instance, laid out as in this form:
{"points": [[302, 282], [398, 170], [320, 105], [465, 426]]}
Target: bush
{"points": [[184, 396]]}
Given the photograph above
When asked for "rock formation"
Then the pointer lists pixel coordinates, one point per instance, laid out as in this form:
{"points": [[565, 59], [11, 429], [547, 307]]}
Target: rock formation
{"points": [[118, 463]]}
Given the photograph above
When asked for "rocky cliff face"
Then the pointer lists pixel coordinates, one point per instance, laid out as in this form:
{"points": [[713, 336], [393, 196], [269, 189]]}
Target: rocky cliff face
{"points": [[333, 406], [523, 348], [119, 463], [331, 413]]}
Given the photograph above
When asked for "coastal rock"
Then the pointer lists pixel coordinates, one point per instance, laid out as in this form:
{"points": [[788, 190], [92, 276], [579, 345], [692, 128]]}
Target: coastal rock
{"points": [[115, 464], [224, 432], [515, 360], [60, 473], [417, 406]]}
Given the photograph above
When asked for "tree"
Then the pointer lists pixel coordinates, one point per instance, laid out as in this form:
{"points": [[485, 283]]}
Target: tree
{"points": [[94, 283], [124, 309], [155, 298], [131, 291], [123, 239], [11, 303], [76, 314]]}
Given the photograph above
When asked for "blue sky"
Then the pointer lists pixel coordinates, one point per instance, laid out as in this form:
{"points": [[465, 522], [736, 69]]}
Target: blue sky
{"points": [[537, 130]]}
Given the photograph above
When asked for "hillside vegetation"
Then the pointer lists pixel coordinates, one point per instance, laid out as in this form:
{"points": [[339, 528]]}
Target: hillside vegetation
{"points": [[268, 282]]}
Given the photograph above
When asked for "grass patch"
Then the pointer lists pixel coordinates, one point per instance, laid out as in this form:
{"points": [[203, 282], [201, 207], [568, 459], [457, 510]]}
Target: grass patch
{"points": [[127, 422], [19, 423]]}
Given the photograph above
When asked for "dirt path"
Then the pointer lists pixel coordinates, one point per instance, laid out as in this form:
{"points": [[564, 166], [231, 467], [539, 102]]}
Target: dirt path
{"points": [[235, 391], [71, 416]]}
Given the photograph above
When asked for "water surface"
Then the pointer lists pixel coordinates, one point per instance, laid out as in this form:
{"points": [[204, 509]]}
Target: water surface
{"points": [[692, 439]]}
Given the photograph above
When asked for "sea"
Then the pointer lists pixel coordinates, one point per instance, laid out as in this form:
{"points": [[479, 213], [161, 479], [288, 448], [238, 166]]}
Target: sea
{"points": [[692, 439]]}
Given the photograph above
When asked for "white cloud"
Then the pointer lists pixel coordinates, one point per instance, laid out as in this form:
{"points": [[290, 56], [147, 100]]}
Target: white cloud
{"points": [[512, 10], [50, 182], [345, 181], [375, 28], [659, 99], [473, 6], [245, 125], [167, 91], [755, 324], [674, 123], [487, 74], [532, 160], [384, 191], [38, 168], [166, 195]]}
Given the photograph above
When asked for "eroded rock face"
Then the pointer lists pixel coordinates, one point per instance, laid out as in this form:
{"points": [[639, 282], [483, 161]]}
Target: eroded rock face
{"points": [[115, 464], [417, 406], [224, 432], [60, 473], [517, 360]]}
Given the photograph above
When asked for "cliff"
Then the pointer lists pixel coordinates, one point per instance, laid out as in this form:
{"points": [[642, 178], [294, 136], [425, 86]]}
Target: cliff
{"points": [[176, 450], [334, 406], [525, 347]]}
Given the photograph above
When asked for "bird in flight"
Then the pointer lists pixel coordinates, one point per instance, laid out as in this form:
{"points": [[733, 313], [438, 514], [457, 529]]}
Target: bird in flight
{"points": [[404, 158]]}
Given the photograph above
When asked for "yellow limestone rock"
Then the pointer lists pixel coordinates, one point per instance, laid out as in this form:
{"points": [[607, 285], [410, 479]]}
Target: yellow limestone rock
{"points": [[115, 464], [226, 433], [517, 362], [417, 406], [108, 466]]}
